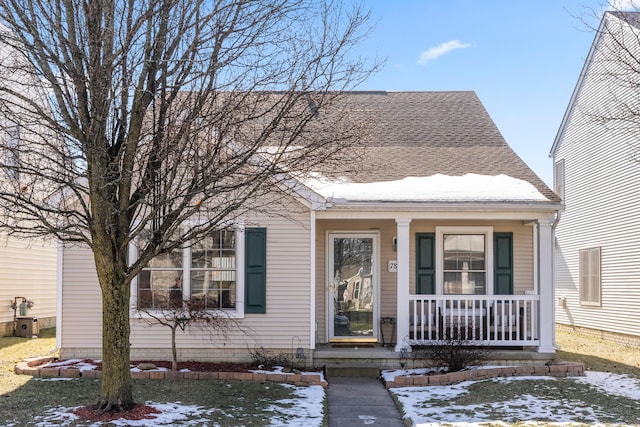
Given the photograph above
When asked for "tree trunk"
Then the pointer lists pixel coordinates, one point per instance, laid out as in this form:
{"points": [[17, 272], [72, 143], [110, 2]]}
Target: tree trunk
{"points": [[174, 351], [116, 392]]}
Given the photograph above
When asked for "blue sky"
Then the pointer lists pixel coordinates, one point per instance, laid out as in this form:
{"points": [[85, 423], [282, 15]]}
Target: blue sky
{"points": [[522, 58]]}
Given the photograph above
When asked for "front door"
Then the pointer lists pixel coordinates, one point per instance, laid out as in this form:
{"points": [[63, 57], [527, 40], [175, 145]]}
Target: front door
{"points": [[353, 287]]}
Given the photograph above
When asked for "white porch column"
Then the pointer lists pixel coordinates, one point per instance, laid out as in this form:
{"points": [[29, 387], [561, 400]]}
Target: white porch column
{"points": [[402, 311], [546, 285]]}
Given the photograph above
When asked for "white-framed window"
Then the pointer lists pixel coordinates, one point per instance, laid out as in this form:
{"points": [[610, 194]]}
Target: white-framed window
{"points": [[558, 178], [464, 257], [12, 150], [210, 269], [590, 277]]}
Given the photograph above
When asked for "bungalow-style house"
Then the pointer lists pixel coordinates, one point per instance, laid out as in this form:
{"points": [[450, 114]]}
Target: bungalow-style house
{"points": [[28, 276], [597, 174], [442, 230]]}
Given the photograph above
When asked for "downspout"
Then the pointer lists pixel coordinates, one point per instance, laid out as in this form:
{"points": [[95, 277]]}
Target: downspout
{"points": [[313, 327], [553, 270], [59, 290]]}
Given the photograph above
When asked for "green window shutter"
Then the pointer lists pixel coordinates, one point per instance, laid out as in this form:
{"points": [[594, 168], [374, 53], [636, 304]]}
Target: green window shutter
{"points": [[425, 263], [503, 263], [255, 272]]}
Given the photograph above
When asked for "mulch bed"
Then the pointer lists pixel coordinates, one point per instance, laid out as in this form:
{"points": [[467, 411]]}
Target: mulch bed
{"points": [[138, 412], [198, 366]]}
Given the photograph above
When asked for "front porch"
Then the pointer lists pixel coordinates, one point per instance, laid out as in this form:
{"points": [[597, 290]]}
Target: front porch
{"points": [[407, 293]]}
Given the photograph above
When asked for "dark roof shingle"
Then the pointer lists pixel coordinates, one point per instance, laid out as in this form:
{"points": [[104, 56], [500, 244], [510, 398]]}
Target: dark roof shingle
{"points": [[426, 133]]}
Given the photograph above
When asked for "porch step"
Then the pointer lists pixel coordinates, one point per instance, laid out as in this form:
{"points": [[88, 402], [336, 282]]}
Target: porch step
{"points": [[351, 371], [355, 361]]}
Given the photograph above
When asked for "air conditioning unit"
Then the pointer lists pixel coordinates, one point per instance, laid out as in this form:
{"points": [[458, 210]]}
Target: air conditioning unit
{"points": [[27, 327]]}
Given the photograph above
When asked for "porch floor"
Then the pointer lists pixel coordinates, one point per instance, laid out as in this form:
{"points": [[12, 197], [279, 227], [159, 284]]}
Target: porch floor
{"points": [[368, 360]]}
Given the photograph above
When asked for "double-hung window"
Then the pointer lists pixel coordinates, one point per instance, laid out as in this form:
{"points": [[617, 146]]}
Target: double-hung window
{"points": [[12, 147], [160, 283], [226, 270], [213, 270], [205, 270], [464, 256], [464, 267]]}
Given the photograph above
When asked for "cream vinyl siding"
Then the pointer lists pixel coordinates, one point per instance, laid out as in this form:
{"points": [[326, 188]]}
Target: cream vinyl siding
{"points": [[81, 301], [28, 269], [288, 297], [602, 207], [286, 322]]}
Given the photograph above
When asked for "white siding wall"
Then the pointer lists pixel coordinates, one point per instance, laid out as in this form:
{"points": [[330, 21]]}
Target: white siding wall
{"points": [[286, 323], [602, 207], [27, 269]]}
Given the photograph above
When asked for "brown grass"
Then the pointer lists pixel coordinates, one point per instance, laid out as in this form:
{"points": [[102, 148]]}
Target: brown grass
{"points": [[598, 354], [16, 349]]}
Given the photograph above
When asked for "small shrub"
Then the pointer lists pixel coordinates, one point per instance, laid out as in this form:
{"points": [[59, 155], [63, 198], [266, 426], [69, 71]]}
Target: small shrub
{"points": [[265, 360], [454, 352]]}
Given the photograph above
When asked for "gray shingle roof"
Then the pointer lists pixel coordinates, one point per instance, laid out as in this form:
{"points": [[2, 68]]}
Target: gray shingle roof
{"points": [[632, 18], [426, 133]]}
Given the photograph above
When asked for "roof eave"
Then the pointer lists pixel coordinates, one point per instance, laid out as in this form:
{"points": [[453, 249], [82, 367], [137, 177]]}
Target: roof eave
{"points": [[533, 205]]}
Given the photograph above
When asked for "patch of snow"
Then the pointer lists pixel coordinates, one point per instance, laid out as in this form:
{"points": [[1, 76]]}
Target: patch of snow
{"points": [[618, 384], [170, 414], [469, 187], [75, 363], [306, 409], [431, 406], [390, 375], [367, 419], [135, 369]]}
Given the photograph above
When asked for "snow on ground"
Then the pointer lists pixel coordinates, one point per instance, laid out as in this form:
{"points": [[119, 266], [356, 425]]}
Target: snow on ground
{"points": [[620, 385], [428, 407], [76, 363], [305, 409], [425, 406]]}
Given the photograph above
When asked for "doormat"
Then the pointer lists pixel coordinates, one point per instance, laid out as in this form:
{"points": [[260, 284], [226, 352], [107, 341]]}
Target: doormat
{"points": [[353, 344]]}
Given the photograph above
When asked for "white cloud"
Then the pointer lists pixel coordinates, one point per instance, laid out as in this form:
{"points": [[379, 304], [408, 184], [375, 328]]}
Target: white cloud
{"points": [[625, 5], [435, 52]]}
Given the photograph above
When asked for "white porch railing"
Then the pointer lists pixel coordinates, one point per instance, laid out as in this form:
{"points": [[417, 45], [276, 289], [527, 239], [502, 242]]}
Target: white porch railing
{"points": [[497, 320]]}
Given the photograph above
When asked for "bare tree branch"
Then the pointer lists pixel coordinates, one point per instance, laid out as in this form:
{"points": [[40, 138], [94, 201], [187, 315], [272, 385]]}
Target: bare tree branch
{"points": [[138, 116]]}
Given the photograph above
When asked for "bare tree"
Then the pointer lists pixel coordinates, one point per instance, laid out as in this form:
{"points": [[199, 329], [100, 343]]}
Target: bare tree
{"points": [[187, 313], [133, 117]]}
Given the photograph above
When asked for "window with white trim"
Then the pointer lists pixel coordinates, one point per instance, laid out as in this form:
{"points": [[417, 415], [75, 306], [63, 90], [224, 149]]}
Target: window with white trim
{"points": [[207, 270], [590, 278], [464, 259], [213, 270], [558, 178], [12, 153]]}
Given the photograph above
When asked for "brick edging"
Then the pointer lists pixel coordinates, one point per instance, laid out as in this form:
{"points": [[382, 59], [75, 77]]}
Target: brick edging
{"points": [[34, 368], [560, 369]]}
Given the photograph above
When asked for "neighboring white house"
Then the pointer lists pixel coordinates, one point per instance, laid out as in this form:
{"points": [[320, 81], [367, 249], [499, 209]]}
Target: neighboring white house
{"points": [[443, 226], [596, 155], [28, 268]]}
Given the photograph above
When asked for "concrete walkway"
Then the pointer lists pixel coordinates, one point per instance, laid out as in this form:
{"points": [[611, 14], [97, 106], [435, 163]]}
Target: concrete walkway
{"points": [[361, 402]]}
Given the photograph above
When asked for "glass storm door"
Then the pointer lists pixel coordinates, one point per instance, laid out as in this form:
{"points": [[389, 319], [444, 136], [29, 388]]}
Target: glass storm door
{"points": [[353, 287]]}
